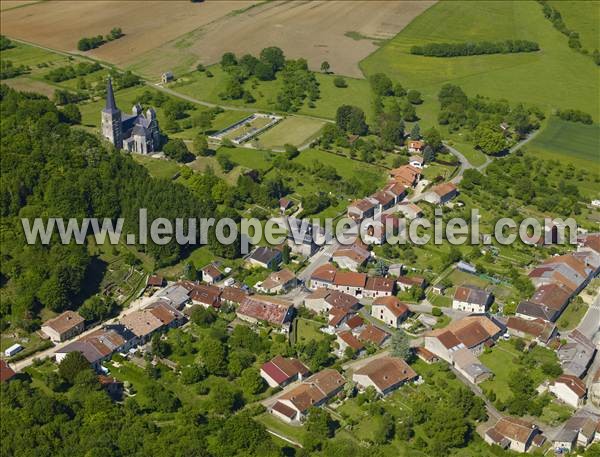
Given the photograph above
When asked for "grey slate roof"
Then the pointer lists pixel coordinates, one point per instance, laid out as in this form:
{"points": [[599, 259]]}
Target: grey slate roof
{"points": [[535, 310], [111, 105]]}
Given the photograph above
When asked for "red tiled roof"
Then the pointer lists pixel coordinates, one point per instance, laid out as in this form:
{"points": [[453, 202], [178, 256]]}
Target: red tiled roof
{"points": [[355, 321], [397, 308], [264, 308], [6, 372], [350, 278], [325, 272], [373, 335], [284, 410], [350, 340], [386, 372], [155, 281], [572, 382], [281, 369], [380, 284]]}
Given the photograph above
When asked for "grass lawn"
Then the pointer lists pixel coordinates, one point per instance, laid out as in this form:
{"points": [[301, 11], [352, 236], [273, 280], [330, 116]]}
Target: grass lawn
{"points": [[344, 166], [199, 257], [292, 130], [256, 159], [159, 168], [572, 315], [295, 433], [569, 142], [520, 78], [502, 360], [556, 413], [309, 330]]}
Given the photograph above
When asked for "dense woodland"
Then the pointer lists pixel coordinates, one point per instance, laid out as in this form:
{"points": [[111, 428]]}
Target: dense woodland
{"points": [[51, 169]]}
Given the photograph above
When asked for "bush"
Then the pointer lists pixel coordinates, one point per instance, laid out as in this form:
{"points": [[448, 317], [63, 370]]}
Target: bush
{"points": [[437, 312], [575, 115], [340, 82], [474, 48]]}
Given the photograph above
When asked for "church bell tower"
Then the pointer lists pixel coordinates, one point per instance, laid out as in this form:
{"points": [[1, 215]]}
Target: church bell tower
{"points": [[111, 119]]}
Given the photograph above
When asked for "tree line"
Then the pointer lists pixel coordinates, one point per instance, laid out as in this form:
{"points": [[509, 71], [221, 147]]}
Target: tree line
{"points": [[72, 71], [473, 48], [87, 43]]}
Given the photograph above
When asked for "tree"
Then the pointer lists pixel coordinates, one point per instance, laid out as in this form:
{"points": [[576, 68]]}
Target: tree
{"points": [[226, 163], [433, 138], [160, 347], [428, 154], [414, 97], [340, 82], [203, 317], [274, 57], [176, 149], [200, 67], [401, 345], [489, 140], [399, 91], [71, 114], [291, 151], [325, 66], [409, 113], [415, 132], [228, 60], [319, 427], [190, 272], [214, 356], [381, 84], [73, 364], [251, 382], [285, 254], [351, 119], [201, 145], [97, 308], [192, 374]]}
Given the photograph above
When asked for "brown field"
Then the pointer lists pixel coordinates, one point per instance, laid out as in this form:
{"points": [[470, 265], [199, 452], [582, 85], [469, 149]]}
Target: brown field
{"points": [[147, 25], [10, 4], [175, 35], [30, 85]]}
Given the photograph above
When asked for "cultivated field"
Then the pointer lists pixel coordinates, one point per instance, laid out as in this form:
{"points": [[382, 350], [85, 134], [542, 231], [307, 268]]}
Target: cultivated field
{"points": [[147, 25], [176, 35], [6, 5], [555, 77]]}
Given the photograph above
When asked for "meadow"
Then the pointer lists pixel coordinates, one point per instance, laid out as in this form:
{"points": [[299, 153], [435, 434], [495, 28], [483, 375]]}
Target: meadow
{"points": [[582, 17], [292, 130], [568, 142], [542, 78]]}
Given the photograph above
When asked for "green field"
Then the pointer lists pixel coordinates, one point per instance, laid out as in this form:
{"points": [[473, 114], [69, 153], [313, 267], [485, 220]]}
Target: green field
{"points": [[292, 130], [345, 167], [555, 77], [581, 17], [159, 168], [569, 142], [199, 86]]}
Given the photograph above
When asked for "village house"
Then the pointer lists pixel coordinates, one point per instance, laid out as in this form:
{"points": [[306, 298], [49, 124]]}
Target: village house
{"points": [[64, 326], [323, 300], [345, 339], [279, 371], [395, 189], [6, 372], [278, 282], [292, 406], [211, 274], [590, 244], [351, 257], [377, 230], [472, 332], [514, 434], [470, 367], [416, 161], [157, 316], [265, 257], [441, 194], [337, 317], [350, 282], [362, 209], [541, 331], [569, 389], [302, 237], [594, 393], [407, 175], [547, 303], [206, 295], [385, 200], [580, 430], [410, 210], [177, 295], [323, 277], [385, 374], [261, 308], [373, 335], [155, 281], [472, 299], [233, 296], [577, 354], [378, 286], [416, 146], [112, 386], [166, 77], [284, 204], [389, 310], [425, 355], [405, 283], [100, 345]]}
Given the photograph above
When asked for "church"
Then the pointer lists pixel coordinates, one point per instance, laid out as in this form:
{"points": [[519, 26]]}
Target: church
{"points": [[135, 132]]}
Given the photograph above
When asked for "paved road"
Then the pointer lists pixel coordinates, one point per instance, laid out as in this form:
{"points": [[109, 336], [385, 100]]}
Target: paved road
{"points": [[49, 353], [590, 324]]}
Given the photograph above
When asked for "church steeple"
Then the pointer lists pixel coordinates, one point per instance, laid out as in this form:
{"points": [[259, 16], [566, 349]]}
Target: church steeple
{"points": [[111, 105]]}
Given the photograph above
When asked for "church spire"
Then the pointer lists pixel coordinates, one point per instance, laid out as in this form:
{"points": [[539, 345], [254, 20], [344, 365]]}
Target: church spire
{"points": [[111, 105]]}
